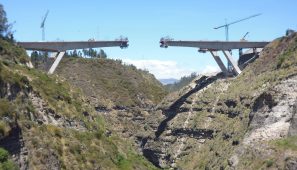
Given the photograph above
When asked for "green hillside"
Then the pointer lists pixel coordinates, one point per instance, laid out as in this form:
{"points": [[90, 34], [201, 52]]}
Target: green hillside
{"points": [[49, 123], [110, 82]]}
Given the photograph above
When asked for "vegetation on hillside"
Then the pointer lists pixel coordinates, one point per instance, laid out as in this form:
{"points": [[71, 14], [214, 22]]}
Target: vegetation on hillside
{"points": [[110, 81], [232, 107], [80, 144], [5, 163]]}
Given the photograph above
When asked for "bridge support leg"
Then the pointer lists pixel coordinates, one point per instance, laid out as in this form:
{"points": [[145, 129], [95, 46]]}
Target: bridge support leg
{"points": [[219, 62], [232, 62], [56, 63]]}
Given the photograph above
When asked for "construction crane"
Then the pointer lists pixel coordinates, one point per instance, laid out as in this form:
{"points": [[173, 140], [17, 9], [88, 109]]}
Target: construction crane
{"points": [[226, 26], [243, 38], [42, 26]]}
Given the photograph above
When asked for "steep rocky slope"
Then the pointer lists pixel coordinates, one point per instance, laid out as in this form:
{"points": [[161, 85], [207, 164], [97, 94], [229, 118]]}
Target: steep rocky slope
{"points": [[246, 122], [122, 94], [45, 123]]}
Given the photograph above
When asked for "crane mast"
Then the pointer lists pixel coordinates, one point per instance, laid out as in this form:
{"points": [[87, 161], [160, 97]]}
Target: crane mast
{"points": [[226, 25], [42, 26]]}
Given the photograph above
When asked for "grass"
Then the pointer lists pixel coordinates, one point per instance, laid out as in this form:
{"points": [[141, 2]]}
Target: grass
{"points": [[269, 163], [6, 108], [5, 163], [47, 143], [83, 150], [289, 143], [277, 63], [110, 81], [12, 53], [4, 129]]}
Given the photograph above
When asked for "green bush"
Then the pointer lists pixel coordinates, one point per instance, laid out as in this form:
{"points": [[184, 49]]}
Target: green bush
{"points": [[5, 108], [269, 163], [8, 165], [3, 155], [12, 53]]}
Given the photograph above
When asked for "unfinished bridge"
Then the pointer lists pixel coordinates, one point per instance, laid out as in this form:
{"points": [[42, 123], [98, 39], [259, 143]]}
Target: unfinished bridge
{"points": [[59, 48], [225, 46]]}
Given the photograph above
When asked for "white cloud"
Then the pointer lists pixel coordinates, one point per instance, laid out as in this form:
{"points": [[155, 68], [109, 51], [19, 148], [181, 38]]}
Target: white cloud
{"points": [[161, 69], [210, 69]]}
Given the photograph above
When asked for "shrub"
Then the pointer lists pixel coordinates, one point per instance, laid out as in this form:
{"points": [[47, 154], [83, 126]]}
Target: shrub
{"points": [[269, 163], [4, 128], [5, 108], [8, 165], [3, 155]]}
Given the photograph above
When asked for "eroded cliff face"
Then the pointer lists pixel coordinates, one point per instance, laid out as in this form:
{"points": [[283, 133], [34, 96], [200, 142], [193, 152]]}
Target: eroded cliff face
{"points": [[272, 118], [245, 122], [181, 132], [167, 143]]}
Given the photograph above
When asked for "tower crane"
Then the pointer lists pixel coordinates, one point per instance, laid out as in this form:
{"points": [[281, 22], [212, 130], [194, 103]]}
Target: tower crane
{"points": [[42, 26], [226, 26]]}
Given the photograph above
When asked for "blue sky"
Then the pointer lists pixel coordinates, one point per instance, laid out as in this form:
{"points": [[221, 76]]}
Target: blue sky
{"points": [[145, 22]]}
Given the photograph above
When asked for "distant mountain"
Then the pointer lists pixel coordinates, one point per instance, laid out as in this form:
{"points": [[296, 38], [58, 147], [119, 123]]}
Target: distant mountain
{"points": [[185, 80], [168, 81]]}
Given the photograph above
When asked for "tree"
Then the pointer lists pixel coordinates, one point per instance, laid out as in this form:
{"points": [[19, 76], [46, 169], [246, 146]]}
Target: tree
{"points": [[74, 53], [79, 54], [4, 26], [92, 53], [102, 54], [35, 58], [85, 52]]}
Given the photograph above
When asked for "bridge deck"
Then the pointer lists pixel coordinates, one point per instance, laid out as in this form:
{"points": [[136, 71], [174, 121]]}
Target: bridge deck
{"points": [[70, 45], [214, 45]]}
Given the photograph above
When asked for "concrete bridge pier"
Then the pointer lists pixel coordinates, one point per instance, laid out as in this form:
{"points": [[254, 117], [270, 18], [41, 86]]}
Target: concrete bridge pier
{"points": [[58, 56], [230, 59], [219, 62]]}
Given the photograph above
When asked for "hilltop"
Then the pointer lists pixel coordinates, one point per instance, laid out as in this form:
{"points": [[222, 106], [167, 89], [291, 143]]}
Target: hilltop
{"points": [[110, 83]]}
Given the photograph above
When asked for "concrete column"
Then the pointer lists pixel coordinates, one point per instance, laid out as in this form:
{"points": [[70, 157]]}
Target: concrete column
{"points": [[232, 62], [56, 63], [29, 64], [219, 62]]}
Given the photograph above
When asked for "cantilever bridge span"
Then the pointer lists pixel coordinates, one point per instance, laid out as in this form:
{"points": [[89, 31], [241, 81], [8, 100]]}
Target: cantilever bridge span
{"points": [[225, 46], [59, 48]]}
